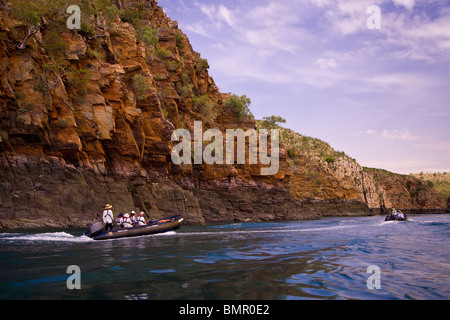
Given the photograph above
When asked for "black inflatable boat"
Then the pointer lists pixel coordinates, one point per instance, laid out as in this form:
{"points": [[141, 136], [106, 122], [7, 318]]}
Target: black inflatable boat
{"points": [[97, 230], [394, 217]]}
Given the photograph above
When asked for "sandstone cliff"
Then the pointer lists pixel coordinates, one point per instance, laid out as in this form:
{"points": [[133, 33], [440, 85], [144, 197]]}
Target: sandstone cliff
{"points": [[440, 182], [86, 118]]}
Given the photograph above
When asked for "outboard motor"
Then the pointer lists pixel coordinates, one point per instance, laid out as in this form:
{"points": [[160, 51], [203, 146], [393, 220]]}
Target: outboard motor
{"points": [[96, 229]]}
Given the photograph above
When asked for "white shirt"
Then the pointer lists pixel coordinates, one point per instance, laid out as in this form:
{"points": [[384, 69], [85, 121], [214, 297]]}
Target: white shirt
{"points": [[127, 223], [141, 220], [108, 216]]}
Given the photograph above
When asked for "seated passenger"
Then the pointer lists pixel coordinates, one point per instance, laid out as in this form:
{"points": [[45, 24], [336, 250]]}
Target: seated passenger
{"points": [[141, 219], [119, 220], [127, 221], [133, 217]]}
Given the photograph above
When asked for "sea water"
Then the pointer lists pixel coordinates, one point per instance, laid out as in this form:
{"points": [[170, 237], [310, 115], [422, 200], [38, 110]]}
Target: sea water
{"points": [[321, 259]]}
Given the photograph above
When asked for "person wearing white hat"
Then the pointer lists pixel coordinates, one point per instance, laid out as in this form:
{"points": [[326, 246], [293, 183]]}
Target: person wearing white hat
{"points": [[127, 221], [108, 217], [133, 217], [141, 219]]}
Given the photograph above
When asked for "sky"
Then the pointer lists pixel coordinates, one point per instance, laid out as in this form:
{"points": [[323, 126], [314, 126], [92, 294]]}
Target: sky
{"points": [[375, 85]]}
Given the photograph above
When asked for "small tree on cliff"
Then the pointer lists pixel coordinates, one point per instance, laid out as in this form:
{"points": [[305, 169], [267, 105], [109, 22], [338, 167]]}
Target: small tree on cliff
{"points": [[30, 13], [240, 105], [272, 121]]}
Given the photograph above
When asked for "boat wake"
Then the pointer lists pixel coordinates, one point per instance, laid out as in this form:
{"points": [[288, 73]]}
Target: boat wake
{"points": [[263, 231], [50, 236], [57, 237]]}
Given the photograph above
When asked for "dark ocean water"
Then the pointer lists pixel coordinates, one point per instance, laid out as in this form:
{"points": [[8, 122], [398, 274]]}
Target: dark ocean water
{"points": [[323, 259]]}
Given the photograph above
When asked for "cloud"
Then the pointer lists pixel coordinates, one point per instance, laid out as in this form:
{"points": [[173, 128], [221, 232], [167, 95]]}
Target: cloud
{"points": [[404, 35], [198, 28], [408, 4], [401, 135], [326, 63], [320, 3], [272, 25], [218, 14], [417, 37], [346, 17], [368, 132]]}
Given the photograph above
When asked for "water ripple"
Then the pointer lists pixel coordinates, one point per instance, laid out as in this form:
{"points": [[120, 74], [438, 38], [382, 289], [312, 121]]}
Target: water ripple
{"points": [[323, 259]]}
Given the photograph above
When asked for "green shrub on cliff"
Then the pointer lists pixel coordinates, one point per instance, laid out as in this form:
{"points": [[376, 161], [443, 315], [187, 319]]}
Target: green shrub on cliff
{"points": [[240, 105], [291, 153], [80, 79], [130, 14], [163, 53], [41, 84], [148, 35], [145, 33], [272, 122], [201, 64], [179, 41], [202, 105], [184, 90], [62, 123], [330, 159], [26, 11], [54, 44], [184, 86], [140, 87]]}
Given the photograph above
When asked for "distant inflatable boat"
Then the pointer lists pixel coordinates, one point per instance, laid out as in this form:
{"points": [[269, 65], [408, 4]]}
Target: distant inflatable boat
{"points": [[97, 230], [393, 217]]}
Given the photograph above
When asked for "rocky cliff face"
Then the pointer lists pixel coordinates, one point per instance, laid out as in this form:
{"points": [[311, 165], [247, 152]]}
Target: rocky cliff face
{"points": [[86, 118], [407, 192], [321, 172]]}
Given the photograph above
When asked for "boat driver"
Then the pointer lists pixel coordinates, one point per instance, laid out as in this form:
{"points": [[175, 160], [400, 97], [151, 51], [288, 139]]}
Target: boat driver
{"points": [[108, 217]]}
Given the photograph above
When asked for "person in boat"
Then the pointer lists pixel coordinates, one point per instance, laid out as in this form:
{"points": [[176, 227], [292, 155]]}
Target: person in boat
{"points": [[119, 220], [400, 215], [133, 217], [127, 221], [108, 217], [141, 218], [392, 215]]}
